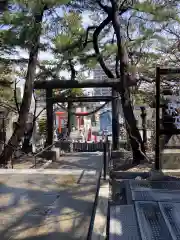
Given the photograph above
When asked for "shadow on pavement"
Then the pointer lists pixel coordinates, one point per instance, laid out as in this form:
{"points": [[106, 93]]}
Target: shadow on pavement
{"points": [[45, 209]]}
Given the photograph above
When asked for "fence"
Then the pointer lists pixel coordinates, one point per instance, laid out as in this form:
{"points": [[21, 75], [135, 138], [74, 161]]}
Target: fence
{"points": [[80, 146]]}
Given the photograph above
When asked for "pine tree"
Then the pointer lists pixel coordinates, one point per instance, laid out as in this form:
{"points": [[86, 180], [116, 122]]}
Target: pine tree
{"points": [[25, 28], [150, 19]]}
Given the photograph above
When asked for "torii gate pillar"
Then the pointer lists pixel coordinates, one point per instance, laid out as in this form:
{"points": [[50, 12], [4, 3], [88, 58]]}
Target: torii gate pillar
{"points": [[115, 120], [49, 114]]}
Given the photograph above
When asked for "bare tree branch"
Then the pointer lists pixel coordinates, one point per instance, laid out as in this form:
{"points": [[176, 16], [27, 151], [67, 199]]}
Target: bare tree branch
{"points": [[104, 7], [96, 47], [73, 71], [127, 30], [87, 35]]}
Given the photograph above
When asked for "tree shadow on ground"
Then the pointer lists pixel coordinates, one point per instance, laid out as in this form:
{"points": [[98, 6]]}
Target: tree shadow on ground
{"points": [[80, 161], [49, 211]]}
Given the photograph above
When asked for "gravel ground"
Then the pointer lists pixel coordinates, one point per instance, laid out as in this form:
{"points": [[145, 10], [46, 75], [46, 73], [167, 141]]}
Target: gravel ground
{"points": [[27, 162]]}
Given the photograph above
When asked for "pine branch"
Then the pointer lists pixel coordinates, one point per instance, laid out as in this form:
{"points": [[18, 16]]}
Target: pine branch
{"points": [[96, 47]]}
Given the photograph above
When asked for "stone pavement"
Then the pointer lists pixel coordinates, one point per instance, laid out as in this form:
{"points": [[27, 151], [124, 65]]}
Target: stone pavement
{"points": [[151, 212], [79, 160], [50, 206]]}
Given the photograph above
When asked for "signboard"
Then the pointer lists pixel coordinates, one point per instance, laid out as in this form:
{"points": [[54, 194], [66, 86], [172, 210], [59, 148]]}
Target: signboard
{"points": [[106, 121], [171, 112], [167, 127]]}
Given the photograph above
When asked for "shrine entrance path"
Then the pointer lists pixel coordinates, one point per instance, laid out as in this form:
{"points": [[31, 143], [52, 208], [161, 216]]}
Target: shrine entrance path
{"points": [[55, 203]]}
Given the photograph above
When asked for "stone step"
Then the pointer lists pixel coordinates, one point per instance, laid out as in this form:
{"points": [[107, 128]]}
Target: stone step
{"points": [[171, 213], [123, 223], [121, 153], [170, 159], [144, 185], [128, 175], [151, 222], [156, 195]]}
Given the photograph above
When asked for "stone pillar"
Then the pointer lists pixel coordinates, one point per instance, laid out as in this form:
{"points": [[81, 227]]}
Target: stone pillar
{"points": [[49, 121], [115, 120]]}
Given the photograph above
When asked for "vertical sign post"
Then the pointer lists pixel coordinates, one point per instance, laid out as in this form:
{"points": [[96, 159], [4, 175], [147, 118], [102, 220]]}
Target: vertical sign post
{"points": [[157, 147]]}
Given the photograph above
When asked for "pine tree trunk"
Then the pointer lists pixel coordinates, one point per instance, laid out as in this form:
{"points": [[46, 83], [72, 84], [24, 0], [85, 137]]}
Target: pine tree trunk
{"points": [[26, 143], [133, 132], [28, 90], [125, 80]]}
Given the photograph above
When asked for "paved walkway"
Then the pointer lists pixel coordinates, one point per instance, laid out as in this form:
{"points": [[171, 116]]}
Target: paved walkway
{"points": [[80, 160], [50, 206]]}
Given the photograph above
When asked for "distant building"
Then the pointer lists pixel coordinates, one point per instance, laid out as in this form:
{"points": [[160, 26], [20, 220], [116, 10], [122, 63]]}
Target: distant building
{"points": [[99, 75]]}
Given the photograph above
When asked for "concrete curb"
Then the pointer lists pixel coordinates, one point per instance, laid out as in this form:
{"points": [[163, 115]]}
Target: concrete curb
{"points": [[46, 164], [100, 221], [46, 171], [43, 166], [171, 170]]}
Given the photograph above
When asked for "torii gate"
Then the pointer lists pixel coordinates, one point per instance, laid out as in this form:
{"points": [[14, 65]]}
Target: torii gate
{"points": [[65, 84]]}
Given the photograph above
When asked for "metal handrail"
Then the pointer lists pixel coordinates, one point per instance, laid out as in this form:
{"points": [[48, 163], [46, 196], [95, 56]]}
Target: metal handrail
{"points": [[33, 155], [46, 148]]}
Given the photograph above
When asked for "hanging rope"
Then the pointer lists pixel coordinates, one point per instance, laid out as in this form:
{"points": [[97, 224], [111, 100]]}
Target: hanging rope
{"points": [[84, 114]]}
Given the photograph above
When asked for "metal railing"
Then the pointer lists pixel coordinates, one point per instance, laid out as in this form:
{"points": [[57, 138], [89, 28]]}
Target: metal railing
{"points": [[105, 148], [43, 150], [106, 156]]}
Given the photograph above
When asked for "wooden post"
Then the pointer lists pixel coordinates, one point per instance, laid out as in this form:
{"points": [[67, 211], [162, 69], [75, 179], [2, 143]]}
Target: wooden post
{"points": [[49, 114], [115, 120], [157, 148]]}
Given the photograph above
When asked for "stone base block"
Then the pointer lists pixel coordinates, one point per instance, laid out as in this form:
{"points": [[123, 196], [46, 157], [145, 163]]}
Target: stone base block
{"points": [[128, 175], [117, 153], [49, 155], [57, 150], [121, 157], [65, 146], [120, 162], [156, 175], [170, 159]]}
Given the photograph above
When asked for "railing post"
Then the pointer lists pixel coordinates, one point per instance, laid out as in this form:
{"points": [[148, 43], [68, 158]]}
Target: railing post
{"points": [[109, 153], [35, 162], [105, 157]]}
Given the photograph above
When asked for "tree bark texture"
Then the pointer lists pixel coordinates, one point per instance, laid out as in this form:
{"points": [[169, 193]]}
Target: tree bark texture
{"points": [[126, 78], [133, 132], [115, 120]]}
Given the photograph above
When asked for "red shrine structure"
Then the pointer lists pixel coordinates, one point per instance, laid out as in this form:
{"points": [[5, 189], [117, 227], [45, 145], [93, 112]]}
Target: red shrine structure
{"points": [[61, 118]]}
